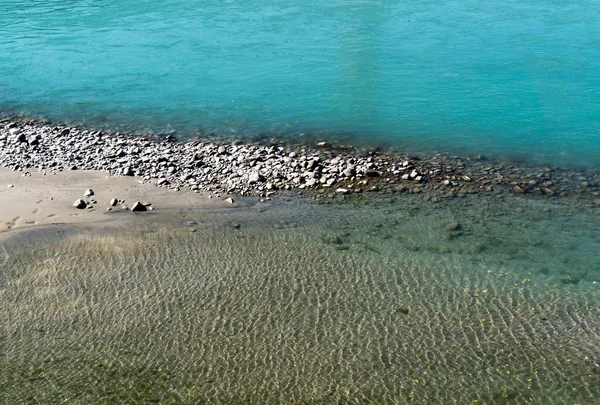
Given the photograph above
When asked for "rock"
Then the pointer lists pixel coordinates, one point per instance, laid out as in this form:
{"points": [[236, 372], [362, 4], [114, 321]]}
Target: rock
{"points": [[80, 204], [229, 200], [127, 171], [14, 131], [89, 192], [138, 206], [400, 188], [10, 186], [342, 191], [255, 177], [114, 202], [548, 191], [322, 144], [453, 227], [518, 189]]}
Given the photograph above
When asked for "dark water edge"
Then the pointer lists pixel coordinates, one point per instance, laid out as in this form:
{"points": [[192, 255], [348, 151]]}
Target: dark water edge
{"points": [[470, 300], [416, 145]]}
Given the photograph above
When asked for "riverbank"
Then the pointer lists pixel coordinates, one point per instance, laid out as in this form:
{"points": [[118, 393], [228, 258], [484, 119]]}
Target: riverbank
{"points": [[213, 168]]}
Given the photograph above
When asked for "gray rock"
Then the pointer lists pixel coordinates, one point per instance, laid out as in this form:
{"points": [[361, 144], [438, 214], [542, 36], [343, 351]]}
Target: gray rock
{"points": [[14, 131], [138, 206], [127, 171], [229, 200], [255, 177], [89, 192], [80, 204], [114, 202]]}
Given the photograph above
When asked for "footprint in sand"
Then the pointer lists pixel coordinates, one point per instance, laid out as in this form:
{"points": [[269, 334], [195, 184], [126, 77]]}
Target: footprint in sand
{"points": [[11, 224]]}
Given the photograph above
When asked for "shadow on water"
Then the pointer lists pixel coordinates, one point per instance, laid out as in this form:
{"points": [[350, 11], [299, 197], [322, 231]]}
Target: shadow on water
{"points": [[495, 302]]}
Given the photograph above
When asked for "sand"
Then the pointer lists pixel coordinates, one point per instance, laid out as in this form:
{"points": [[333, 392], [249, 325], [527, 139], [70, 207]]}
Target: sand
{"points": [[44, 199]]}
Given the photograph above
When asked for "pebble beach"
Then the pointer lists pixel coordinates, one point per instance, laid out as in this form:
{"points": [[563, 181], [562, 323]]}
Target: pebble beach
{"points": [[323, 172]]}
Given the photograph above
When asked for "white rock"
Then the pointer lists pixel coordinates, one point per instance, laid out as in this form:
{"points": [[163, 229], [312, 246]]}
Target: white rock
{"points": [[255, 177]]}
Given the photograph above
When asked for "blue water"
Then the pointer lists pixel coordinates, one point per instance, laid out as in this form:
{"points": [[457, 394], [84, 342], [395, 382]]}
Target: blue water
{"points": [[503, 78]]}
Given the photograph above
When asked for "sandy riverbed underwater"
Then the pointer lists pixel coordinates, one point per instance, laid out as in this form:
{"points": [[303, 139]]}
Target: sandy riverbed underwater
{"points": [[474, 299]]}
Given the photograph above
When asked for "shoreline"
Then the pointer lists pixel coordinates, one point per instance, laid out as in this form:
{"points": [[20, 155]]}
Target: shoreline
{"points": [[211, 169]]}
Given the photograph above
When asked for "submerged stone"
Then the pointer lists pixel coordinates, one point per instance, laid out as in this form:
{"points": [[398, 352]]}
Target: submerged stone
{"points": [[453, 227]]}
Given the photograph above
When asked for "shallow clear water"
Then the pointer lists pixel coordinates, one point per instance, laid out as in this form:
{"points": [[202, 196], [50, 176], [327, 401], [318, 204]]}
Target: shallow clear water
{"points": [[295, 303], [501, 78]]}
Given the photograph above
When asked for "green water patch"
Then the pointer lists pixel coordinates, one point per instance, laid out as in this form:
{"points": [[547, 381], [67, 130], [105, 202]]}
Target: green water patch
{"points": [[290, 302]]}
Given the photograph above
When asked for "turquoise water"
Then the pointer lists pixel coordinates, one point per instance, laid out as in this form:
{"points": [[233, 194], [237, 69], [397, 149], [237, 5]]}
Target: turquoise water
{"points": [[505, 78]]}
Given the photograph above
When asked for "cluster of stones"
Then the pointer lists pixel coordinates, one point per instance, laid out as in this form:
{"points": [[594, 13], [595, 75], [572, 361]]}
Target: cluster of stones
{"points": [[216, 167], [88, 203]]}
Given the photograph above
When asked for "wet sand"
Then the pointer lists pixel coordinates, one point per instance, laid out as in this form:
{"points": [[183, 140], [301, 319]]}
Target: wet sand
{"points": [[44, 199]]}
